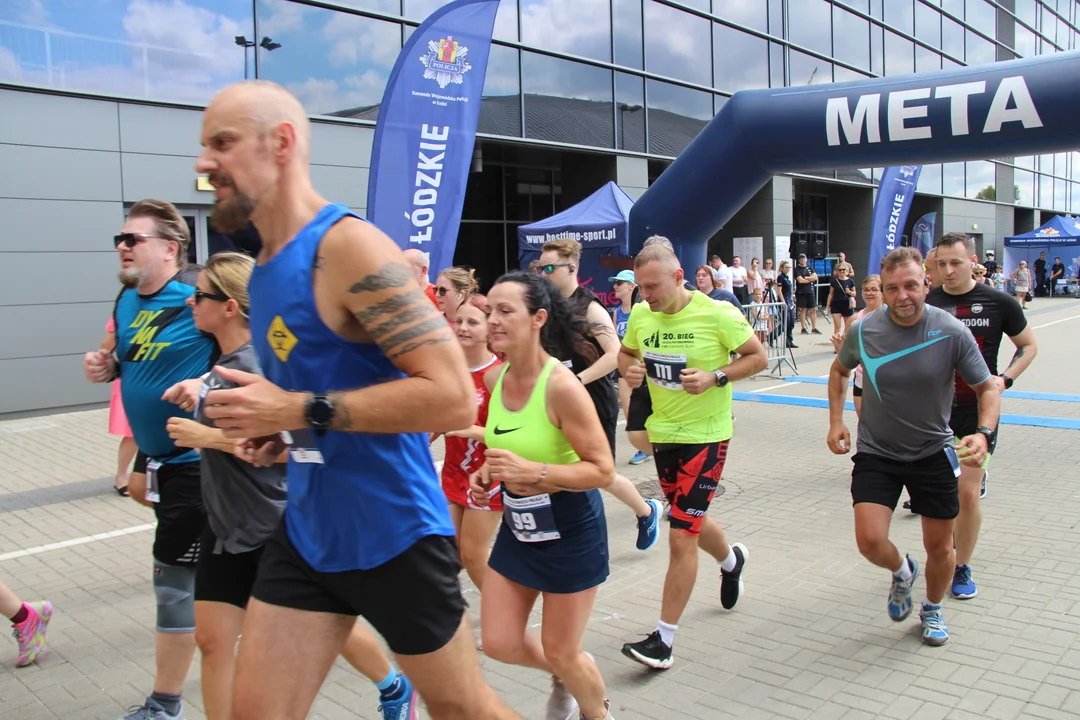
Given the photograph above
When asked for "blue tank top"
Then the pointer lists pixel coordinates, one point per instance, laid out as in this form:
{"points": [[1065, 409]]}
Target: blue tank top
{"points": [[373, 495], [158, 345], [621, 318]]}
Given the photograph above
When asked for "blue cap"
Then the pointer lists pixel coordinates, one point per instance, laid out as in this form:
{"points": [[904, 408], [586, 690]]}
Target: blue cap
{"points": [[624, 276]]}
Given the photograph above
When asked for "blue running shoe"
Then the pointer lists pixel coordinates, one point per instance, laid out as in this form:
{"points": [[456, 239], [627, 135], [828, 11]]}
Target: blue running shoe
{"points": [[639, 457], [963, 587], [648, 527], [934, 631], [900, 595], [401, 703]]}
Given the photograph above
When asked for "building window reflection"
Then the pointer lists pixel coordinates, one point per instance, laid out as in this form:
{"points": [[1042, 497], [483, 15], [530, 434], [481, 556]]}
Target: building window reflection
{"points": [[630, 112], [567, 101], [676, 115], [741, 60], [677, 44]]}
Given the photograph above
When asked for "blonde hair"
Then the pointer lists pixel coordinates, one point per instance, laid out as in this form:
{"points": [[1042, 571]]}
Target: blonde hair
{"points": [[462, 278], [168, 222], [567, 248], [872, 278], [228, 273]]}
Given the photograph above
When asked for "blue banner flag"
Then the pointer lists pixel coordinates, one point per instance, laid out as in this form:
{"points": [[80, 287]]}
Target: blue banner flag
{"points": [[895, 193], [424, 136], [922, 233]]}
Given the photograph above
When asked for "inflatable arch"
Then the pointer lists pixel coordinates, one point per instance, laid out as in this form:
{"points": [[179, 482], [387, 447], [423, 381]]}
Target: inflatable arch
{"points": [[1020, 107]]}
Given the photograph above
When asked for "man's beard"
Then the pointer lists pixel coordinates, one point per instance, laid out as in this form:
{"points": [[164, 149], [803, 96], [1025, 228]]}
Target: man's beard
{"points": [[129, 277], [233, 214]]}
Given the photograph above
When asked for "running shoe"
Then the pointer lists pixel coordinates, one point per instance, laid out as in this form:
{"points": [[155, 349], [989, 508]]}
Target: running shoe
{"points": [[150, 710], [400, 704], [934, 631], [731, 584], [561, 705], [963, 587], [648, 527], [652, 651], [804, 331], [815, 331], [982, 490], [639, 457], [607, 713], [900, 595], [30, 633]]}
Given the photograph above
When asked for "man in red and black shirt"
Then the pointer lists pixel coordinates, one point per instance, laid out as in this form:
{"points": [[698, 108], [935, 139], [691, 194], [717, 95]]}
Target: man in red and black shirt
{"points": [[989, 314]]}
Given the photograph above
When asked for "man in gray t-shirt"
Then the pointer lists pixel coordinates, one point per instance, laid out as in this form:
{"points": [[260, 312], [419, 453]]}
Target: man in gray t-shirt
{"points": [[909, 352]]}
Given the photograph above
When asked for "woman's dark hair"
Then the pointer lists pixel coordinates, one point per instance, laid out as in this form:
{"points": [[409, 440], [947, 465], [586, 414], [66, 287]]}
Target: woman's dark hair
{"points": [[565, 334]]}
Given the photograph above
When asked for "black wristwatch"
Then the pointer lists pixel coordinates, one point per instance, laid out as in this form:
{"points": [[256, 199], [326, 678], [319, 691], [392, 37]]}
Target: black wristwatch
{"points": [[721, 378], [319, 413], [988, 432], [1008, 381]]}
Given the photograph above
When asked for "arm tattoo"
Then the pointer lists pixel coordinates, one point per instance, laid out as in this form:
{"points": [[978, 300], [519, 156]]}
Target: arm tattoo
{"points": [[390, 344], [415, 345], [1019, 354], [390, 306], [391, 275], [342, 420]]}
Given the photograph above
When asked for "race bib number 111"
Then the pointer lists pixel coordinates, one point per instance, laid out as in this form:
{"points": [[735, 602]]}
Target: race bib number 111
{"points": [[665, 369]]}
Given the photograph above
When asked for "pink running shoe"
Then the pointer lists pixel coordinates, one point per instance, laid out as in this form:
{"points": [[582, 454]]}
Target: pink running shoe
{"points": [[31, 632]]}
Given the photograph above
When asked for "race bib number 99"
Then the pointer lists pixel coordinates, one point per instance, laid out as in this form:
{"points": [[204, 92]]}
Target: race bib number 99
{"points": [[664, 369], [531, 519]]}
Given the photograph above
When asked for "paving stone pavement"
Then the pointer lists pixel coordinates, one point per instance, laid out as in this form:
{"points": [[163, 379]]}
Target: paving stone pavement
{"points": [[809, 639]]}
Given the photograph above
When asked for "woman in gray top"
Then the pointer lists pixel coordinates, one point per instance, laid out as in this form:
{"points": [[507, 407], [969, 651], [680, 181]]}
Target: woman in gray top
{"points": [[244, 504]]}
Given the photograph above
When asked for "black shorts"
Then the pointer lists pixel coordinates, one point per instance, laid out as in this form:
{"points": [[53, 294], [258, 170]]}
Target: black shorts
{"points": [[806, 301], [225, 577], [180, 513], [640, 407], [842, 310], [414, 600], [931, 482], [964, 420], [856, 391], [688, 476]]}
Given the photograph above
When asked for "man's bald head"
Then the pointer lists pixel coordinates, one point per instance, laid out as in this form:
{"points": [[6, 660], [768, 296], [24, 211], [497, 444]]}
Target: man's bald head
{"points": [[419, 262], [256, 144]]}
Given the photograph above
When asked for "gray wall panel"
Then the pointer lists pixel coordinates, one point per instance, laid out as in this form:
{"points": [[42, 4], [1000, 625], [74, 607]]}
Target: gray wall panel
{"points": [[166, 177], [45, 330], [39, 119], [59, 174], [348, 145], [341, 184], [159, 130], [58, 225], [56, 278], [42, 383]]}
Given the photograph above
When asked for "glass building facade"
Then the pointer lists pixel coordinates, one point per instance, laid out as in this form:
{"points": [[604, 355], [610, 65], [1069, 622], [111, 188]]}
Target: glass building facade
{"points": [[637, 77]]}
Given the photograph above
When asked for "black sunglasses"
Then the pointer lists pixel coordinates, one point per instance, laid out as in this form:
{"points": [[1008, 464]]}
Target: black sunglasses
{"points": [[441, 291], [200, 296], [549, 269], [132, 239]]}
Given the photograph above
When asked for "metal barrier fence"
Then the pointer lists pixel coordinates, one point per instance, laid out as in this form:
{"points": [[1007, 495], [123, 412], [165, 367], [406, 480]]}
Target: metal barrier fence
{"points": [[773, 323]]}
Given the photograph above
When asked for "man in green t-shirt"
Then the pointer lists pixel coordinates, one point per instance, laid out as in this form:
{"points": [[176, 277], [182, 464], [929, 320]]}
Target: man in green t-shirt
{"points": [[680, 343]]}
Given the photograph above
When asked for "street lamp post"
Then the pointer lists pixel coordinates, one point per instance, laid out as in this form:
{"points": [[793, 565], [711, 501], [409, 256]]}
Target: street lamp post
{"points": [[267, 44]]}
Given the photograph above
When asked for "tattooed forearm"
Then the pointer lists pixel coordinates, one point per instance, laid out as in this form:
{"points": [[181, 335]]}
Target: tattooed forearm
{"points": [[415, 345], [390, 306], [1019, 354], [390, 275], [342, 419]]}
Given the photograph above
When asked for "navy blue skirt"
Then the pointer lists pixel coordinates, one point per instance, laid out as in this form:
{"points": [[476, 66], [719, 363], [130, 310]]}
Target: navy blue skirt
{"points": [[577, 561]]}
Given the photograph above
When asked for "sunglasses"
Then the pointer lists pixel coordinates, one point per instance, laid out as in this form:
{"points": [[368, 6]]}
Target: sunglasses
{"points": [[132, 239], [549, 269], [200, 296], [441, 291]]}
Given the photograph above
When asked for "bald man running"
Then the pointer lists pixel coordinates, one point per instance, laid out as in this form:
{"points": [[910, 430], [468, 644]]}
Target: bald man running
{"points": [[359, 367]]}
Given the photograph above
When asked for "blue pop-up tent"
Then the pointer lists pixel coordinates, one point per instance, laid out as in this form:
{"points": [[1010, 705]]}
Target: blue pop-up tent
{"points": [[1058, 237], [600, 222]]}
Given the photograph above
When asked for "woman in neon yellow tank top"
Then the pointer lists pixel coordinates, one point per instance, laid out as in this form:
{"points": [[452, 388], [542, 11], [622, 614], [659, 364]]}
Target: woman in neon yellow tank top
{"points": [[548, 450]]}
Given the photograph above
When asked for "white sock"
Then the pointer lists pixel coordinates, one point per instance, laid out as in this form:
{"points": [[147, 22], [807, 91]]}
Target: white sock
{"points": [[667, 632], [730, 561], [905, 570], [926, 601]]}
